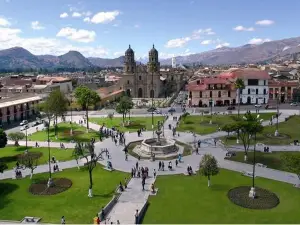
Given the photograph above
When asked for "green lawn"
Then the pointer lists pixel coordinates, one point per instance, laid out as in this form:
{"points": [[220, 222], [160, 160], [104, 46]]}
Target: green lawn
{"points": [[185, 200], [271, 160], [200, 124], [10, 154], [136, 122], [79, 134], [16, 202], [287, 127]]}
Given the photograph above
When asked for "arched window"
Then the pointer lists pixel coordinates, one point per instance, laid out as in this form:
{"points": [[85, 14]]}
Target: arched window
{"points": [[152, 94], [210, 94], [219, 94], [140, 93]]}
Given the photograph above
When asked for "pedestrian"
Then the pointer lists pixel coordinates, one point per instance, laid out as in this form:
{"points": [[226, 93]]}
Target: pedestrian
{"points": [[159, 165], [176, 162], [143, 183], [118, 222], [136, 216], [126, 157], [137, 165], [96, 219], [162, 166], [154, 173], [215, 142], [63, 221], [197, 151]]}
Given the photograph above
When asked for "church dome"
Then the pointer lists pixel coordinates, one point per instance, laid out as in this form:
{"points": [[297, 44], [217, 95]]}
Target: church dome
{"points": [[153, 51], [129, 51]]}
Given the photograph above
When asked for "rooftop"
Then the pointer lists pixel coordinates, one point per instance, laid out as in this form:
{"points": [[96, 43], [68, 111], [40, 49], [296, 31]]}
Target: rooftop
{"points": [[20, 99]]}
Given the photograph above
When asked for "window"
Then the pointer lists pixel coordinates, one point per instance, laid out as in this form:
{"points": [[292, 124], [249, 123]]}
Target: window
{"points": [[248, 91], [198, 82], [256, 91], [210, 94], [200, 94], [252, 82], [128, 82], [219, 94], [229, 94], [140, 77], [265, 91], [265, 82]]}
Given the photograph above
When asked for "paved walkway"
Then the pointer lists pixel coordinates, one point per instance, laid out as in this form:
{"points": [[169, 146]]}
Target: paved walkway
{"points": [[134, 198]]}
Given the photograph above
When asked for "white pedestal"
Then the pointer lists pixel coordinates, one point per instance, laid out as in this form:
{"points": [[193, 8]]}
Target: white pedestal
{"points": [[210, 122], [252, 193], [71, 132], [50, 182], [276, 133], [245, 157], [90, 193], [237, 141]]}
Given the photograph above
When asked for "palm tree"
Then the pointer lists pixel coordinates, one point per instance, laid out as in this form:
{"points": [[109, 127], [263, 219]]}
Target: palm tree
{"points": [[239, 85]]}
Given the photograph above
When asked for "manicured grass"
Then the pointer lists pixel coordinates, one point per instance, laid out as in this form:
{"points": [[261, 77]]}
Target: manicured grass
{"points": [[271, 160], [288, 127], [9, 154], [16, 202], [136, 123], [63, 134], [200, 124], [185, 200]]}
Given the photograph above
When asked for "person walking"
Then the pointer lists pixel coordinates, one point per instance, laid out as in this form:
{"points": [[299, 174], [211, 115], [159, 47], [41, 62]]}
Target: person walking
{"points": [[136, 216], [63, 221]]}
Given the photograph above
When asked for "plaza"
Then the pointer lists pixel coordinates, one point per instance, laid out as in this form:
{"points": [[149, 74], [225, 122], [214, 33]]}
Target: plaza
{"points": [[176, 192]]}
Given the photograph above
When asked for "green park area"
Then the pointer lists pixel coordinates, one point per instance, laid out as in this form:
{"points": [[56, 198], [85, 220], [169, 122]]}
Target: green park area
{"points": [[288, 132], [16, 201], [63, 134], [10, 154], [274, 160], [131, 125], [201, 124], [188, 200]]}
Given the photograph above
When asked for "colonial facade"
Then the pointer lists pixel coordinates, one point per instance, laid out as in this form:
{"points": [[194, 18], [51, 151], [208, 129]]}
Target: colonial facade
{"points": [[140, 81], [256, 89], [282, 90], [211, 90]]}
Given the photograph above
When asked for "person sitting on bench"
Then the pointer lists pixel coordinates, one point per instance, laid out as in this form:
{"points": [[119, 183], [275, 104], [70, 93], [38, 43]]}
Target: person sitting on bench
{"points": [[53, 159], [55, 168], [152, 188], [189, 170], [121, 188]]}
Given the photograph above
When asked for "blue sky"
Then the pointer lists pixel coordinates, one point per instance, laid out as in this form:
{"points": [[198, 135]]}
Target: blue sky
{"points": [[105, 28]]}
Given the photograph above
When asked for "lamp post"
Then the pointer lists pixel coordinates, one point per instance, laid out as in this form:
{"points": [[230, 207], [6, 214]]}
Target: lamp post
{"points": [[49, 184], [277, 115], [211, 103], [71, 131], [152, 96]]}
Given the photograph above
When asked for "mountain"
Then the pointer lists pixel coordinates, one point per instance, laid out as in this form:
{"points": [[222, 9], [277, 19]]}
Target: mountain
{"points": [[74, 59], [118, 62], [244, 54]]}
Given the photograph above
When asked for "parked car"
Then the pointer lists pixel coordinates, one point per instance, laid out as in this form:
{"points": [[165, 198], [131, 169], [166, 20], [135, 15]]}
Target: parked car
{"points": [[151, 109], [171, 110], [293, 104], [24, 128], [157, 111], [36, 123], [231, 107], [257, 106], [24, 122]]}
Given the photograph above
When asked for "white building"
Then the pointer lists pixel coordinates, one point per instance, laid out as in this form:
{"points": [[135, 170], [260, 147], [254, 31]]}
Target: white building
{"points": [[256, 89], [174, 62]]}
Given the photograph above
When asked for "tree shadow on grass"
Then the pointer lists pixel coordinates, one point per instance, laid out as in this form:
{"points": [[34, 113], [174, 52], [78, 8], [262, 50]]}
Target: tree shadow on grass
{"points": [[105, 195], [9, 159], [220, 187], [6, 189]]}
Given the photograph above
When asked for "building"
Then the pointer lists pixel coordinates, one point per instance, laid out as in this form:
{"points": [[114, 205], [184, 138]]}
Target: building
{"points": [[17, 108], [208, 91], [140, 81], [256, 89], [282, 90], [63, 83], [174, 63]]}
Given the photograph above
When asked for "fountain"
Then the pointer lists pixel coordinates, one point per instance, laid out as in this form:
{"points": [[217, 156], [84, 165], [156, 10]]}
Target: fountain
{"points": [[158, 147]]}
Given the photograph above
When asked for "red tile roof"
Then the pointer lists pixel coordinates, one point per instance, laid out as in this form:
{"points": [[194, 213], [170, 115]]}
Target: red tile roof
{"points": [[249, 73], [273, 83]]}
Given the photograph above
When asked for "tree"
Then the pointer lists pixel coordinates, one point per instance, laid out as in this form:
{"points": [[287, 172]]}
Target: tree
{"points": [[3, 167], [58, 105], [87, 151], [248, 127], [124, 106], [28, 161], [86, 97], [3, 138], [291, 163], [208, 167], [16, 137], [239, 85], [231, 127]]}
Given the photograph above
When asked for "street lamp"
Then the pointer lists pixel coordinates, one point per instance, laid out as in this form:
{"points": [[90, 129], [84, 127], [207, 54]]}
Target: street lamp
{"points": [[71, 131], [211, 103], [49, 184], [277, 115]]}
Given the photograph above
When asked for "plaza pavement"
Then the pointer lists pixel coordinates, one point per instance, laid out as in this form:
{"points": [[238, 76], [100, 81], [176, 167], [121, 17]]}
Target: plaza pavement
{"points": [[133, 197]]}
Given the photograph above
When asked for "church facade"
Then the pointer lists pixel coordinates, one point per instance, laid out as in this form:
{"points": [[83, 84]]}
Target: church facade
{"points": [[141, 81]]}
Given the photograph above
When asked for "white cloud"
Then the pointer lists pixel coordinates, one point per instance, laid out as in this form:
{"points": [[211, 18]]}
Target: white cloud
{"points": [[221, 45], [105, 17], [76, 14], [257, 41], [178, 42], [187, 50], [8, 34], [36, 25], [202, 32], [87, 19], [64, 15], [136, 26], [206, 42], [84, 36], [241, 28], [117, 54], [87, 13], [4, 22], [264, 22]]}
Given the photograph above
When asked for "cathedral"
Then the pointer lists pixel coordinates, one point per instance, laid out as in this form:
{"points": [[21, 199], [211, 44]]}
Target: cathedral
{"points": [[141, 81]]}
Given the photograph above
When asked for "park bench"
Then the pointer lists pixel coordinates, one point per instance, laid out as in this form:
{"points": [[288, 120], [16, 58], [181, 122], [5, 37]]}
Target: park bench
{"points": [[261, 165], [248, 174]]}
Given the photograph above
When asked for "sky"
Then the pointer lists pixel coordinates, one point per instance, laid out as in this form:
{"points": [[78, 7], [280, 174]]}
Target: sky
{"points": [[105, 28]]}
